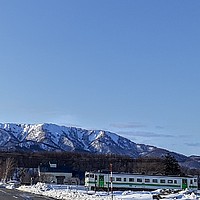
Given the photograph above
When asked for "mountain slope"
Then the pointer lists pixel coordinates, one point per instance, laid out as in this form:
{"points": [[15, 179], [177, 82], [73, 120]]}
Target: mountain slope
{"points": [[51, 137]]}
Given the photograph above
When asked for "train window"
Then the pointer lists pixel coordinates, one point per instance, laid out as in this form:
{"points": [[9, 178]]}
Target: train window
{"points": [[184, 181], [118, 179], [195, 180], [146, 180], [87, 175], [124, 179], [175, 181], [170, 181], [131, 179], [155, 180], [112, 178], [139, 180], [91, 175], [162, 180], [191, 182]]}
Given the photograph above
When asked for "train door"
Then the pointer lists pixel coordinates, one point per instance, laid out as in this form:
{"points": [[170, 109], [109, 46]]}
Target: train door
{"points": [[184, 183], [101, 180]]}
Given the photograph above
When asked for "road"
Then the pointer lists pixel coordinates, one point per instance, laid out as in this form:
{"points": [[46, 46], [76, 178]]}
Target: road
{"points": [[6, 194]]}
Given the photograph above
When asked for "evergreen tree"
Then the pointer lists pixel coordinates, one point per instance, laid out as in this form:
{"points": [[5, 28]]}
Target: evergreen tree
{"points": [[171, 166]]}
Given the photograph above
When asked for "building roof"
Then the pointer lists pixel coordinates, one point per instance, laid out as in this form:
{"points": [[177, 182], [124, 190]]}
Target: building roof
{"points": [[51, 167]]}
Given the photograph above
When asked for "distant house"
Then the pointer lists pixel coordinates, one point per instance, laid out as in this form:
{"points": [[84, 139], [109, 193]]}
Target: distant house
{"points": [[52, 173]]}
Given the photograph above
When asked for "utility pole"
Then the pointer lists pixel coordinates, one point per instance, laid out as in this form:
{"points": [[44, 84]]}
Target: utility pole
{"points": [[111, 181]]}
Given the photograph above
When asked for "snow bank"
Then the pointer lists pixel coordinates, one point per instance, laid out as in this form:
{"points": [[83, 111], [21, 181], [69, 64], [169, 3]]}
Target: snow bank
{"points": [[67, 192]]}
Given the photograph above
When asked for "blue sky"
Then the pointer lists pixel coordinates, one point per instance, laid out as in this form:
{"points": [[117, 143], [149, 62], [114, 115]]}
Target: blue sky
{"points": [[130, 67]]}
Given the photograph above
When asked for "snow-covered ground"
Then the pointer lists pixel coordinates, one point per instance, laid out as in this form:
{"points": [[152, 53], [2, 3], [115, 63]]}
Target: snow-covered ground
{"points": [[81, 193], [66, 192]]}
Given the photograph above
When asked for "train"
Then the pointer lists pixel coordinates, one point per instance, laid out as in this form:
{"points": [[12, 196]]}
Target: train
{"points": [[126, 181]]}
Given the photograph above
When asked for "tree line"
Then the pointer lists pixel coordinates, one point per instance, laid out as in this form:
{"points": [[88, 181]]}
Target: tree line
{"points": [[80, 162]]}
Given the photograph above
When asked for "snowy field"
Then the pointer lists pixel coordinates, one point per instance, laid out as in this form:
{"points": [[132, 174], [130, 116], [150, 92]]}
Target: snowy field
{"points": [[66, 192], [80, 193]]}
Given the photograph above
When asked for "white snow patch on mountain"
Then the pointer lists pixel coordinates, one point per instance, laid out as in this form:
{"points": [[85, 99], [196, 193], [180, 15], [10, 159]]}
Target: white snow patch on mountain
{"points": [[52, 137]]}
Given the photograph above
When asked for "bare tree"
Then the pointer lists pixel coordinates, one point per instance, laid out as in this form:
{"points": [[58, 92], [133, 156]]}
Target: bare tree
{"points": [[9, 167]]}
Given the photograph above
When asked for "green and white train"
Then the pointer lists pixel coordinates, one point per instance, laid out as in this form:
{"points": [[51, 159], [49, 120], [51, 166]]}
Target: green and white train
{"points": [[123, 181]]}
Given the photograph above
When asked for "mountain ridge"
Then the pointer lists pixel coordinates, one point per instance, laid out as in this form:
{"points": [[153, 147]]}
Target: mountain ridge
{"points": [[52, 137]]}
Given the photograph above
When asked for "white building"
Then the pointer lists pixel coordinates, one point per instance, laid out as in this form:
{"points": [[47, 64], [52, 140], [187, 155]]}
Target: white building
{"points": [[52, 173]]}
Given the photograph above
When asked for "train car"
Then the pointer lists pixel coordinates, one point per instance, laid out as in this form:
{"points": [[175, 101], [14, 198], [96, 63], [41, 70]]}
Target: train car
{"points": [[124, 181]]}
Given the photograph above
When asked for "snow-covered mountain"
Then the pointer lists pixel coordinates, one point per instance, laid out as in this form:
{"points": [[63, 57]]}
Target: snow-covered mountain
{"points": [[51, 137]]}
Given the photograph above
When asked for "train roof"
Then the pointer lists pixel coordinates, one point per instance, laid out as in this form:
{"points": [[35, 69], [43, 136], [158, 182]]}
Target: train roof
{"points": [[141, 174]]}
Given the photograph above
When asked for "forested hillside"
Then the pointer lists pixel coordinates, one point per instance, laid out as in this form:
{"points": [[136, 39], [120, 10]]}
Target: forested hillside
{"points": [[81, 162]]}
